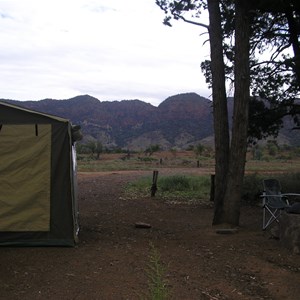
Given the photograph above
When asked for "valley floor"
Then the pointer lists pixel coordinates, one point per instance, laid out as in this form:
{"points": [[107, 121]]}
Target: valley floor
{"points": [[112, 258]]}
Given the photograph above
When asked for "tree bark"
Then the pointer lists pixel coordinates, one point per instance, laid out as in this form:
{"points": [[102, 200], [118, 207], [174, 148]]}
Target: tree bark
{"points": [[293, 30], [238, 148], [221, 127]]}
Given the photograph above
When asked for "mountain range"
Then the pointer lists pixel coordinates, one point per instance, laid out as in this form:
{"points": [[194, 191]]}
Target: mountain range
{"points": [[178, 122]]}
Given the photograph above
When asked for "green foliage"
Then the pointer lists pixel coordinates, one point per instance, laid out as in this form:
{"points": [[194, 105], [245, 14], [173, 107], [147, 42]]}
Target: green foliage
{"points": [[184, 187], [191, 187], [92, 147], [252, 188], [202, 151], [139, 188], [147, 159], [157, 285], [198, 149], [263, 121], [175, 183], [273, 152], [272, 148], [151, 149], [275, 75], [181, 187]]}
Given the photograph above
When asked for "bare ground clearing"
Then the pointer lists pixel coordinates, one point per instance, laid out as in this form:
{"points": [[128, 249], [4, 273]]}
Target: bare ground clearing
{"points": [[111, 259]]}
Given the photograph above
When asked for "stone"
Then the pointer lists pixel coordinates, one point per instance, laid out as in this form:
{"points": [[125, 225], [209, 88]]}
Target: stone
{"points": [[142, 225]]}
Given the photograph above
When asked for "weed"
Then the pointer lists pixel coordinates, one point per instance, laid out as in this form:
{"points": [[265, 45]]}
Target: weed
{"points": [[157, 285]]}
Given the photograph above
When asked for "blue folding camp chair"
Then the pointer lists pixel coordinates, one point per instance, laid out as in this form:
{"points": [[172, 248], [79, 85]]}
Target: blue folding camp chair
{"points": [[274, 202]]}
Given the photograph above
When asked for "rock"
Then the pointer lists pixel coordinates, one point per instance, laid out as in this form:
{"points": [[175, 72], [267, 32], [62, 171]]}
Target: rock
{"points": [[142, 225]]}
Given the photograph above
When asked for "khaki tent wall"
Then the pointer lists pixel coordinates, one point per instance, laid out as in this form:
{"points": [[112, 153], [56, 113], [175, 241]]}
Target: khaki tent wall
{"points": [[55, 223], [25, 177]]}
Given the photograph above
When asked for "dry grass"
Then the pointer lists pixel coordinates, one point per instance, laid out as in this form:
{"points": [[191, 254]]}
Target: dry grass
{"points": [[180, 159]]}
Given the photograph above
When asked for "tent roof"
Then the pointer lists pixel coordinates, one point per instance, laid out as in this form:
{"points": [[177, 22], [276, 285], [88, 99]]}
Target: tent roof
{"points": [[4, 117]]}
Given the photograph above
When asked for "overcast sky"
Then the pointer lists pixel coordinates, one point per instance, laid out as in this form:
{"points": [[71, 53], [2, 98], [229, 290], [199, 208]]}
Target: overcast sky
{"points": [[109, 49]]}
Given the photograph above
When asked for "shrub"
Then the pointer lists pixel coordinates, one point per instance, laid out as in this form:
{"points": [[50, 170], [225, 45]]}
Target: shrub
{"points": [[177, 186], [174, 183], [252, 187]]}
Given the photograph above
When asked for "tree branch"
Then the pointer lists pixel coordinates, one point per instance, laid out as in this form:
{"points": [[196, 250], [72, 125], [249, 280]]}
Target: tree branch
{"points": [[191, 22]]}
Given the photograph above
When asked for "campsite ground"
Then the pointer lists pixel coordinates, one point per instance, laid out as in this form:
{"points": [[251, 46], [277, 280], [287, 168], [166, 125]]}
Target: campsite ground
{"points": [[113, 257]]}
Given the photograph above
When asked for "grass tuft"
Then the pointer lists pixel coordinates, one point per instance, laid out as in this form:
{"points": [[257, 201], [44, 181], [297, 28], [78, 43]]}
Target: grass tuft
{"points": [[157, 285]]}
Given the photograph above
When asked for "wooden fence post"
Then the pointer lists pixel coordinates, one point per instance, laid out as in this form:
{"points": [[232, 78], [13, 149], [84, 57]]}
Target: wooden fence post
{"points": [[154, 183]]}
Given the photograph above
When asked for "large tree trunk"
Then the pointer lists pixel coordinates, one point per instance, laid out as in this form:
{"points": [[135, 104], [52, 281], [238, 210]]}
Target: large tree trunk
{"points": [[238, 147], [221, 128], [293, 30]]}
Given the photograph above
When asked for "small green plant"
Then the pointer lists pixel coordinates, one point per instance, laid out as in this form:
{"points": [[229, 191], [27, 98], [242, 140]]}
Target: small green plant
{"points": [[185, 186], [175, 183], [180, 187], [157, 285]]}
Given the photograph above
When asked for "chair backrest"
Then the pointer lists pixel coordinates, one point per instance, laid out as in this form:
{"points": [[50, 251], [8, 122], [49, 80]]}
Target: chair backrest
{"points": [[273, 187]]}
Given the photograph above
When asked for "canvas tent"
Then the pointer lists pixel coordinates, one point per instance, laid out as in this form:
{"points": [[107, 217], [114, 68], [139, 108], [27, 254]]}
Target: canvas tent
{"points": [[38, 203]]}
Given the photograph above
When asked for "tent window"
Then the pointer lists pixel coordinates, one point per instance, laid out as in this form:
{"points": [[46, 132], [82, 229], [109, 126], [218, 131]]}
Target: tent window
{"points": [[25, 162]]}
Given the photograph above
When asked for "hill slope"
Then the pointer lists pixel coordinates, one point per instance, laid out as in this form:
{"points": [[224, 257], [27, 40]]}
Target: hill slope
{"points": [[179, 121]]}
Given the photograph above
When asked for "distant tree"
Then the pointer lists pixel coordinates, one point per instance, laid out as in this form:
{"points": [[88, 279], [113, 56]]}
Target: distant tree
{"points": [[95, 147], [199, 149], [151, 149], [79, 148], [272, 148]]}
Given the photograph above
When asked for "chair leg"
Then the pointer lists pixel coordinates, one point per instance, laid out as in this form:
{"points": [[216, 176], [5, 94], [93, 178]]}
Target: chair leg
{"points": [[273, 216]]}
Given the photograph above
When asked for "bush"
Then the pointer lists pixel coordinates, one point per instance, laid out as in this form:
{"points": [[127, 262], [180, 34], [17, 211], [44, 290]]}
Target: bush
{"points": [[174, 183], [178, 186], [198, 187], [252, 188]]}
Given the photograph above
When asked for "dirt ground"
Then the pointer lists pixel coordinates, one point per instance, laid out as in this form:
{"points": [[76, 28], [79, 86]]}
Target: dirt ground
{"points": [[111, 259]]}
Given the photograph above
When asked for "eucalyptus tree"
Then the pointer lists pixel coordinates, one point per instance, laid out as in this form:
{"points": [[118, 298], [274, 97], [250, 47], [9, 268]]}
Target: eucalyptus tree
{"points": [[229, 164], [239, 32], [276, 77]]}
